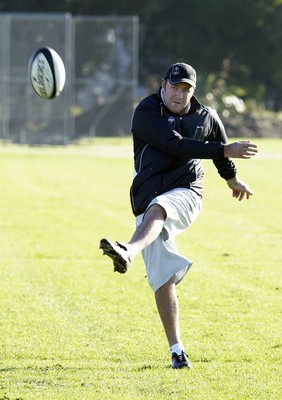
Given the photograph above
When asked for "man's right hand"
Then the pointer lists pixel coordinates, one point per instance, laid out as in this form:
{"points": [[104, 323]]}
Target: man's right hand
{"points": [[242, 149]]}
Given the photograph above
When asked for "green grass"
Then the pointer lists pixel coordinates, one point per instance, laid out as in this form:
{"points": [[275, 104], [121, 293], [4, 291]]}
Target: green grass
{"points": [[72, 329]]}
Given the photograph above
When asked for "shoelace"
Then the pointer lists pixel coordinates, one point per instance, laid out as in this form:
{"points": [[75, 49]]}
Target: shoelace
{"points": [[121, 246]]}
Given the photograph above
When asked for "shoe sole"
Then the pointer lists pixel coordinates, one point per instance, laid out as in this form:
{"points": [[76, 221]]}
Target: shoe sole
{"points": [[118, 260], [189, 366]]}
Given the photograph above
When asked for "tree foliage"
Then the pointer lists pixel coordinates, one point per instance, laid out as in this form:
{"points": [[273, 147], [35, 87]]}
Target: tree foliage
{"points": [[235, 46]]}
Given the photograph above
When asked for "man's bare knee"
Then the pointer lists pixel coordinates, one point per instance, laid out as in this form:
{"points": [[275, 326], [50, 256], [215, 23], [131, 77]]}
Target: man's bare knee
{"points": [[155, 211]]}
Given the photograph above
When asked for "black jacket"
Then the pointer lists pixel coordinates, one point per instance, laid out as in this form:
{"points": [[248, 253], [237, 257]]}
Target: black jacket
{"points": [[168, 149]]}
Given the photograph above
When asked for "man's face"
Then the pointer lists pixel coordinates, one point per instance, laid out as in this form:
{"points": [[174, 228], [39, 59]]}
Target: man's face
{"points": [[178, 96]]}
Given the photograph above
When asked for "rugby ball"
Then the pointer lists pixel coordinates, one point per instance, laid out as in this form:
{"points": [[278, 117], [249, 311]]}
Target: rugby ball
{"points": [[46, 72]]}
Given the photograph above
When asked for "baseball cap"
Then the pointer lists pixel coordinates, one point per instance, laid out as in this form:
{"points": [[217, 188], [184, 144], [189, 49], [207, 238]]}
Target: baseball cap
{"points": [[181, 72]]}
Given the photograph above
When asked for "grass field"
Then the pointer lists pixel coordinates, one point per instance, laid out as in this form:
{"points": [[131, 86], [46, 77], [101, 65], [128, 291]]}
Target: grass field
{"points": [[71, 329]]}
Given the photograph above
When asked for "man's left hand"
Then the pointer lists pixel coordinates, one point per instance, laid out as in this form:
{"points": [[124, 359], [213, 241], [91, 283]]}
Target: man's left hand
{"points": [[239, 189]]}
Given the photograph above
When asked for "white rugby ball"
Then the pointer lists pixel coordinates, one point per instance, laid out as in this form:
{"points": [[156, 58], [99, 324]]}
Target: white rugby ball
{"points": [[47, 73]]}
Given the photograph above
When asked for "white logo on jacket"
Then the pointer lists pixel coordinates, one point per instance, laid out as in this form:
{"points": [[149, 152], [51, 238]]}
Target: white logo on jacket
{"points": [[171, 120]]}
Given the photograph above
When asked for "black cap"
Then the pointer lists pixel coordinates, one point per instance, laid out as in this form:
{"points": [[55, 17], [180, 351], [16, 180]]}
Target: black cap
{"points": [[181, 72]]}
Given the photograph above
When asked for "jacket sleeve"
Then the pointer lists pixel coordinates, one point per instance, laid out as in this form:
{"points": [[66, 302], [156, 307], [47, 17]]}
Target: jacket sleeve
{"points": [[225, 166], [149, 125]]}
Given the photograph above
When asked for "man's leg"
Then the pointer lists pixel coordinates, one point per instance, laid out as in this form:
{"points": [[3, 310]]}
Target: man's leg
{"points": [[168, 308], [149, 229], [122, 254]]}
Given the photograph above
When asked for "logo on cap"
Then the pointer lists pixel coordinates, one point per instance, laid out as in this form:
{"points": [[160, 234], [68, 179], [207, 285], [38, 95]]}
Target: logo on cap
{"points": [[175, 70]]}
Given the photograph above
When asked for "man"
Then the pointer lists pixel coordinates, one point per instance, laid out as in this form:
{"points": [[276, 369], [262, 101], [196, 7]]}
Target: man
{"points": [[172, 132]]}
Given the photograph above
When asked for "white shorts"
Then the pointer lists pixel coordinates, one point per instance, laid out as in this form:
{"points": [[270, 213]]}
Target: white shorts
{"points": [[161, 257]]}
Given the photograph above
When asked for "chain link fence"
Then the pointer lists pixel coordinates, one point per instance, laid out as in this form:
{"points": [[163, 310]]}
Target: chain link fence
{"points": [[101, 60]]}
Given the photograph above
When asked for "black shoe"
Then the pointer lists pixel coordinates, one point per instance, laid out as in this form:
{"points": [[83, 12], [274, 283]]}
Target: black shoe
{"points": [[180, 361], [118, 253]]}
